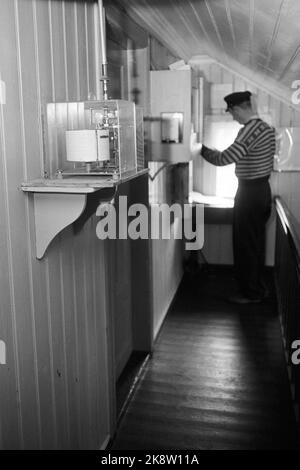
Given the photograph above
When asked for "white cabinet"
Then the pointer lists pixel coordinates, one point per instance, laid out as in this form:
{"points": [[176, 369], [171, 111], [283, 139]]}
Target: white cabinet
{"points": [[171, 114]]}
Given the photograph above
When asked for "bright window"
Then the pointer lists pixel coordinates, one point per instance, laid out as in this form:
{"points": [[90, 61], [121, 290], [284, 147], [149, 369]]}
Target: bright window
{"points": [[219, 133], [226, 181]]}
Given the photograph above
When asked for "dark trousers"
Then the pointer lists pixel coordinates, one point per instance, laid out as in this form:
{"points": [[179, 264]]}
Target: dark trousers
{"points": [[252, 208]]}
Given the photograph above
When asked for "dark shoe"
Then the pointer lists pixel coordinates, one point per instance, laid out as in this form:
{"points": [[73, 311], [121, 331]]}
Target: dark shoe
{"points": [[241, 300]]}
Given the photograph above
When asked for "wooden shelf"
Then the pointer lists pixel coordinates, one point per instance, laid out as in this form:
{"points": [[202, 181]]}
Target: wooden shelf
{"points": [[77, 184], [60, 202]]}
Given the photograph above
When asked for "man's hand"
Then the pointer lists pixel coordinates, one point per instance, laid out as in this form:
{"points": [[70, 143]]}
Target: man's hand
{"points": [[195, 147]]}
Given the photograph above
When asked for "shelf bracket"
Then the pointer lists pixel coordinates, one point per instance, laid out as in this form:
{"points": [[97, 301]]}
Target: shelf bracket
{"points": [[59, 203], [54, 212]]}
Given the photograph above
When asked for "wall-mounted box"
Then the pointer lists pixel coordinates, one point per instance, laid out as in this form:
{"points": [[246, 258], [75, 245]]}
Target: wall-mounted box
{"points": [[171, 115]]}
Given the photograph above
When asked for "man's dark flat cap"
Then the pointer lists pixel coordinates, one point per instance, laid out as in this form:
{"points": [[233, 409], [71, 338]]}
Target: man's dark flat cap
{"points": [[237, 98]]}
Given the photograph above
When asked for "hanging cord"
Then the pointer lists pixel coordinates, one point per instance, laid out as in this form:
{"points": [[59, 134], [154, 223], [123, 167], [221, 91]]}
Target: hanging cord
{"points": [[152, 178]]}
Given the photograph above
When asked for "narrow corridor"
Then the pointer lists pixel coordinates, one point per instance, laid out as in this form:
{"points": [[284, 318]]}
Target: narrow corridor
{"points": [[217, 378]]}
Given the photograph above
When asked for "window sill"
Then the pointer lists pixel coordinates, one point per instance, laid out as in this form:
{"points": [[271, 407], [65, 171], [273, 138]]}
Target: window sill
{"points": [[217, 210]]}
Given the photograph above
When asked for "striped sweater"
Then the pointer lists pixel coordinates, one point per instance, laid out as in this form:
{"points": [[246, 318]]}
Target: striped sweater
{"points": [[252, 151]]}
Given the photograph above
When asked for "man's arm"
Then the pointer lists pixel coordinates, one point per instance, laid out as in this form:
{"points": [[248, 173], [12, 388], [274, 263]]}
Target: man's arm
{"points": [[245, 139], [232, 154]]}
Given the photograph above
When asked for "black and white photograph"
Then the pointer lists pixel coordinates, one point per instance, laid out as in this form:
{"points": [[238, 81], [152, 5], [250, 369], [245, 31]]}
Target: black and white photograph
{"points": [[149, 228]]}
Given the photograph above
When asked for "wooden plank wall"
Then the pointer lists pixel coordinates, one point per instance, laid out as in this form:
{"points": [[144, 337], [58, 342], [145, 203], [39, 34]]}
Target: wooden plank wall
{"points": [[54, 387], [168, 184], [165, 187], [129, 72], [165, 255], [217, 248]]}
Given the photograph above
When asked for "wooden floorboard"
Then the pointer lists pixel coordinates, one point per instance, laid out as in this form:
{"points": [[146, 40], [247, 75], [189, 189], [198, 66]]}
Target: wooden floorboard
{"points": [[217, 378]]}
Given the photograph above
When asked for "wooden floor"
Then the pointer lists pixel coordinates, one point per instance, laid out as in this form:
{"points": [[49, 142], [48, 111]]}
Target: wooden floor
{"points": [[216, 380]]}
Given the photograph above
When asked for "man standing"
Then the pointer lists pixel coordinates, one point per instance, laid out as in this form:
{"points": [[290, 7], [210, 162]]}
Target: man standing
{"points": [[253, 153]]}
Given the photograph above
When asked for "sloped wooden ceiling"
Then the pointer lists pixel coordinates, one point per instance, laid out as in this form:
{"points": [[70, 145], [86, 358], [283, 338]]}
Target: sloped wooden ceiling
{"points": [[259, 39]]}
